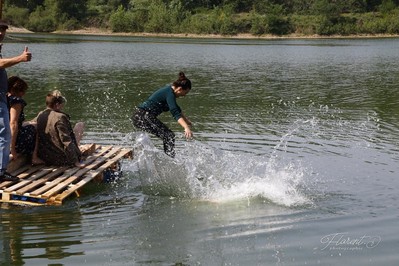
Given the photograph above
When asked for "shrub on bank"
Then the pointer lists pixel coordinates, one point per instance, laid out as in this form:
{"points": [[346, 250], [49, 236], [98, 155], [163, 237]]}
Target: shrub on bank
{"points": [[17, 16], [378, 23], [41, 21], [70, 24], [160, 18], [393, 23], [347, 24], [304, 24], [340, 25], [242, 22], [371, 23], [198, 24], [270, 24], [120, 21], [217, 21]]}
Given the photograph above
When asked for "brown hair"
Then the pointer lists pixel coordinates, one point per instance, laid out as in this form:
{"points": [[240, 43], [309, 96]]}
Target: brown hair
{"points": [[54, 97], [16, 85], [182, 82]]}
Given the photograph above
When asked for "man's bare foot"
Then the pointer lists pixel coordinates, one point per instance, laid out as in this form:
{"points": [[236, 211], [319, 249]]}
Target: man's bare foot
{"points": [[80, 165]]}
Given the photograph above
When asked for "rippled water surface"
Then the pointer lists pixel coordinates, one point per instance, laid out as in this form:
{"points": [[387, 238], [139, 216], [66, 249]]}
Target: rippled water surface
{"points": [[294, 161]]}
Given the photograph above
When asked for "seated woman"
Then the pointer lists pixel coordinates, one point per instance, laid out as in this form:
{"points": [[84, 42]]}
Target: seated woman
{"points": [[58, 143], [23, 134]]}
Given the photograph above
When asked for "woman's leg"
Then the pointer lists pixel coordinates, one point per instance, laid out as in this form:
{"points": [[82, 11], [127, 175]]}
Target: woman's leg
{"points": [[35, 157], [168, 138], [148, 123], [78, 131], [26, 140]]}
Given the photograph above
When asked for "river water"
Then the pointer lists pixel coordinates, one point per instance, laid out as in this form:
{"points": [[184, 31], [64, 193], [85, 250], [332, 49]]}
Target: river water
{"points": [[294, 161]]}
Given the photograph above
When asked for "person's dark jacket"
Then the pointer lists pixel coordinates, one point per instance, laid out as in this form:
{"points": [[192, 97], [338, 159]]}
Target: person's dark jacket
{"points": [[57, 142]]}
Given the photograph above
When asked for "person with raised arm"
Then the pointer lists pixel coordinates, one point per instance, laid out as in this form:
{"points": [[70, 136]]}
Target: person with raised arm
{"points": [[5, 131]]}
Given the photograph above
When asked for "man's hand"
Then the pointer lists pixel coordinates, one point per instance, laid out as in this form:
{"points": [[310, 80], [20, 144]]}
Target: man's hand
{"points": [[26, 56]]}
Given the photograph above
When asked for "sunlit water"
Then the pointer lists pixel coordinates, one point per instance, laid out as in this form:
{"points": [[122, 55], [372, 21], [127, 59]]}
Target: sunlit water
{"points": [[294, 160]]}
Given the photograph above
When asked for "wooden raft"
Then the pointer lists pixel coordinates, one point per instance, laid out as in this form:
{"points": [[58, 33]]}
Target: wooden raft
{"points": [[51, 185]]}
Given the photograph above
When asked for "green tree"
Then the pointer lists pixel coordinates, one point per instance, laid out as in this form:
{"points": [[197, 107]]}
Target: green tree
{"points": [[66, 9], [158, 18], [372, 5], [242, 5], [387, 6], [41, 21], [273, 22], [17, 15], [192, 5], [121, 20], [29, 4], [355, 6], [223, 23]]}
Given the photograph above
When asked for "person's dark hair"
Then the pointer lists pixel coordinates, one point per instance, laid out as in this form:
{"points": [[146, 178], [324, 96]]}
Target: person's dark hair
{"points": [[3, 24], [182, 82], [54, 97], [16, 85]]}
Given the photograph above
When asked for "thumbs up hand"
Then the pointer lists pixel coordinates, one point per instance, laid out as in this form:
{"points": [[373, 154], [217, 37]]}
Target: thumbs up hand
{"points": [[26, 55]]}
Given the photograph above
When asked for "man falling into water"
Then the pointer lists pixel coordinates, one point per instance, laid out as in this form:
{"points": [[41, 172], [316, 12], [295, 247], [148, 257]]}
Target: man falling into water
{"points": [[5, 131]]}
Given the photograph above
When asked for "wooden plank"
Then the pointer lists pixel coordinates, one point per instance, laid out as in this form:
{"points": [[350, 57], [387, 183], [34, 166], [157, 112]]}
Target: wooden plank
{"points": [[4, 184], [18, 202], [28, 180], [129, 153], [20, 170], [73, 178], [22, 175], [88, 177], [30, 171], [19, 199], [35, 183], [27, 170], [16, 164], [40, 185], [64, 183], [5, 196], [69, 173]]}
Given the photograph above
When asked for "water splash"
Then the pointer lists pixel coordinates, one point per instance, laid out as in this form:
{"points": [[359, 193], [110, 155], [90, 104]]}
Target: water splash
{"points": [[205, 173]]}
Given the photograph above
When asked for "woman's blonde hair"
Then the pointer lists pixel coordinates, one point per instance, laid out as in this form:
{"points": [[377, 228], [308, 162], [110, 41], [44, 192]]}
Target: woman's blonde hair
{"points": [[55, 97]]}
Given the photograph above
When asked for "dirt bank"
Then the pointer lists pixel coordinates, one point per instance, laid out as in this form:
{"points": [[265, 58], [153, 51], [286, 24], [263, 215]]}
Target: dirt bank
{"points": [[105, 32]]}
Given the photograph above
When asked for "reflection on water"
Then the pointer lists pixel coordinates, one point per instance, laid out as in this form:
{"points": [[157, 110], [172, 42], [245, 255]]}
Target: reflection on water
{"points": [[39, 234]]}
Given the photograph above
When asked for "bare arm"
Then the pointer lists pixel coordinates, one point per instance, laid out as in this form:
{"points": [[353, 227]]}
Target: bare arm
{"points": [[9, 62], [188, 122], [187, 130], [15, 111]]}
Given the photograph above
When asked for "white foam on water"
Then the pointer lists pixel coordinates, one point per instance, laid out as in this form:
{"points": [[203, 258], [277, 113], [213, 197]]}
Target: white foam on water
{"points": [[205, 173]]}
